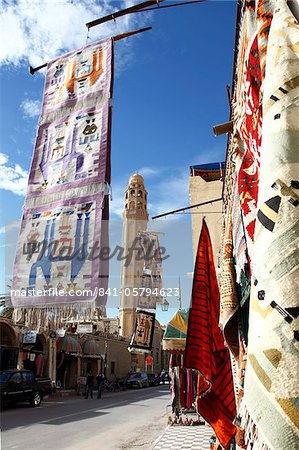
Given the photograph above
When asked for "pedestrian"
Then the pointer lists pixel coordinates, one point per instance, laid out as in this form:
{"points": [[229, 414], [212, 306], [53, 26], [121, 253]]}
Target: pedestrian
{"points": [[100, 384], [89, 384]]}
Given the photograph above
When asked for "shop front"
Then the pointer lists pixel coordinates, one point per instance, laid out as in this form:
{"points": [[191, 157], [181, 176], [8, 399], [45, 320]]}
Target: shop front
{"points": [[34, 353], [9, 346], [92, 360], [68, 365]]}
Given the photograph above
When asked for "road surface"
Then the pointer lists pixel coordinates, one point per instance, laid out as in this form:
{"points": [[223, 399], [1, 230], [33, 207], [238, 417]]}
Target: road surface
{"points": [[132, 419]]}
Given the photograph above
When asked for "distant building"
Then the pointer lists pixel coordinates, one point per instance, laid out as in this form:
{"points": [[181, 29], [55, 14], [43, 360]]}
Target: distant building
{"points": [[206, 183], [135, 219]]}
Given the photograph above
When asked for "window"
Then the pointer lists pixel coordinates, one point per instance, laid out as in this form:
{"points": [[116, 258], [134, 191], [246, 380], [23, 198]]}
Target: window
{"points": [[4, 377], [139, 194], [15, 378], [112, 367], [135, 376], [28, 377]]}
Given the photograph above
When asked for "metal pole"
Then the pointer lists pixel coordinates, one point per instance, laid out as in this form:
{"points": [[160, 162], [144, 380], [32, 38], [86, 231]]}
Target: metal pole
{"points": [[105, 360], [116, 38], [187, 207], [180, 297]]}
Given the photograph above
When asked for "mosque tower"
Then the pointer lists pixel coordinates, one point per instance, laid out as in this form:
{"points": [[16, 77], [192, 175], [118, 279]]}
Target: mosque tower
{"points": [[135, 219]]}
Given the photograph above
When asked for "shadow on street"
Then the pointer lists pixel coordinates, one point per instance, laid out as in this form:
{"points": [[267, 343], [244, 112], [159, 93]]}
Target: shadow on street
{"points": [[65, 410]]}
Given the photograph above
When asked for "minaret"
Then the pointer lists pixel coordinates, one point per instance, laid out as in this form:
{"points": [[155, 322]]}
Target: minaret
{"points": [[135, 218]]}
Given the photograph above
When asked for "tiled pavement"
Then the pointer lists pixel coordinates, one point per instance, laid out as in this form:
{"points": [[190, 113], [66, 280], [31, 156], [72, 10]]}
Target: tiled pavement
{"points": [[178, 437]]}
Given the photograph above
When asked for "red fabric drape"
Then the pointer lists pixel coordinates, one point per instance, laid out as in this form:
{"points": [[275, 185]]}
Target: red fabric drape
{"points": [[205, 349]]}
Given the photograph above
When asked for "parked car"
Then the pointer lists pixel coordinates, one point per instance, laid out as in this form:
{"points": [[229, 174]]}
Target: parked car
{"points": [[153, 379], [22, 385], [137, 379], [164, 377]]}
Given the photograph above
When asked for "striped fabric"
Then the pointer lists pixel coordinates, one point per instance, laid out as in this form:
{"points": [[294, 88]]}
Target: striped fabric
{"points": [[69, 345], [205, 349]]}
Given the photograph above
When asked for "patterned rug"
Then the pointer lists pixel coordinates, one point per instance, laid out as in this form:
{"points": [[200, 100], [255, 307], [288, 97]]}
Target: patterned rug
{"points": [[58, 268], [270, 403]]}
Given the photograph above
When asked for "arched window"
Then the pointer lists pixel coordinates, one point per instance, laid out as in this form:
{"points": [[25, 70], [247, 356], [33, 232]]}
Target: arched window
{"points": [[132, 205], [126, 195], [140, 194], [133, 192]]}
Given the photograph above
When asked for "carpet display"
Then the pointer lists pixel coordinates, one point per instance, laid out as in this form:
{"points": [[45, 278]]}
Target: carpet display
{"points": [[142, 339], [58, 268], [273, 362], [205, 348], [259, 294]]}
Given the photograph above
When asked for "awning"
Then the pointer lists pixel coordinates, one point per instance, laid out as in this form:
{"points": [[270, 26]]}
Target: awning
{"points": [[69, 345], [91, 349], [174, 339]]}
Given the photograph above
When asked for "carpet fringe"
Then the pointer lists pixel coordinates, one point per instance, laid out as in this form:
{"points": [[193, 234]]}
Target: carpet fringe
{"points": [[254, 439]]}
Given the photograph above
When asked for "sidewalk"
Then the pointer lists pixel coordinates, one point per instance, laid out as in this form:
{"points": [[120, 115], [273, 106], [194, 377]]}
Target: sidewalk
{"points": [[63, 393], [178, 437]]}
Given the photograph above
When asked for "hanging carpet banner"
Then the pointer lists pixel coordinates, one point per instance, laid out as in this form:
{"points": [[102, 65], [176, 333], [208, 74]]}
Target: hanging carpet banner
{"points": [[66, 210], [205, 349], [269, 408], [142, 339], [54, 258], [151, 278]]}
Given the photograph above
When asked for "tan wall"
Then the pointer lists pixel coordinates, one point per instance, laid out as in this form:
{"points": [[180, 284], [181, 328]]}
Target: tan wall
{"points": [[117, 351], [156, 351], [202, 191]]}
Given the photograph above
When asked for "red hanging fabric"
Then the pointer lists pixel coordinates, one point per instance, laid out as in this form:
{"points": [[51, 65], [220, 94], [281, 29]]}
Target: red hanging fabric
{"points": [[205, 349]]}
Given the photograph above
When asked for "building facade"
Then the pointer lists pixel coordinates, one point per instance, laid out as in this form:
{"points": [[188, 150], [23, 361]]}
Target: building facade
{"points": [[64, 357], [206, 183]]}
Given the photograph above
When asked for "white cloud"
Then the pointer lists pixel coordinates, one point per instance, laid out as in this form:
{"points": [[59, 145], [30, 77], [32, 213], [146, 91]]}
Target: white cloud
{"points": [[214, 154], [171, 193], [12, 178], [36, 32], [10, 227], [117, 203], [31, 108], [150, 171]]}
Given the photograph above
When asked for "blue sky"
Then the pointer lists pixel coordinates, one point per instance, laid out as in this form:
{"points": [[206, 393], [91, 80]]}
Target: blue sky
{"points": [[169, 91]]}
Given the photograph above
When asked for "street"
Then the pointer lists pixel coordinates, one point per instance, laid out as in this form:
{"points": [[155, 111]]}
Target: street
{"points": [[122, 420]]}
